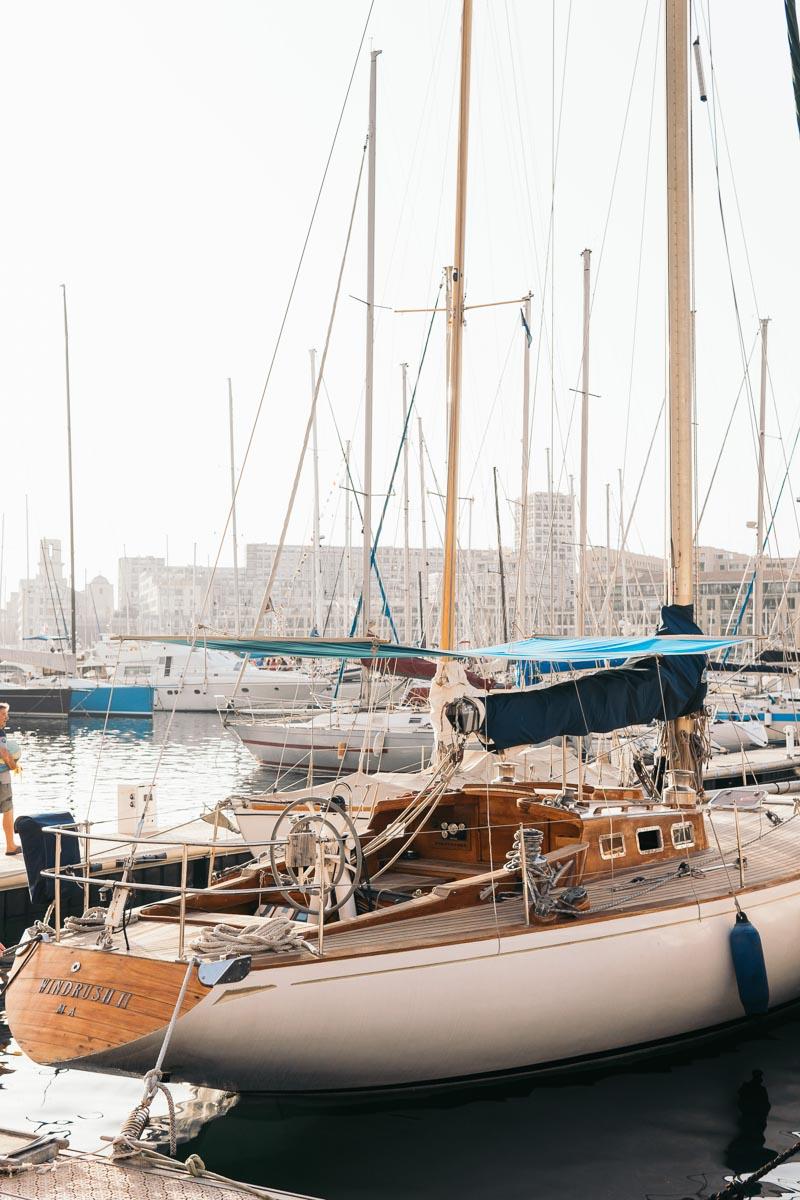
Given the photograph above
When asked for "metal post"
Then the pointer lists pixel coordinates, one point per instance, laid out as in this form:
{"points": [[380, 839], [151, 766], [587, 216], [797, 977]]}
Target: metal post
{"points": [[520, 606], [406, 552], [447, 637], [321, 910], [583, 534], [523, 865], [73, 639], [87, 865], [739, 843], [212, 855], [366, 613], [57, 872], [182, 918], [316, 606], [758, 590]]}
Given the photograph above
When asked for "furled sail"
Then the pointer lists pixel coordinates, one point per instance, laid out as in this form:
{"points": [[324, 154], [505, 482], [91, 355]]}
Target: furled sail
{"points": [[650, 689]]}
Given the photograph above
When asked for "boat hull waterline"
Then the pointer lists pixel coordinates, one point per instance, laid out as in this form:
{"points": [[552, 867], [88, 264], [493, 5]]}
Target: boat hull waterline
{"points": [[521, 1001]]}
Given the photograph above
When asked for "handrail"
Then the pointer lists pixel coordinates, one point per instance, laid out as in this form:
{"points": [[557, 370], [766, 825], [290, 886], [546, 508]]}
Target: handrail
{"points": [[120, 840], [170, 889]]}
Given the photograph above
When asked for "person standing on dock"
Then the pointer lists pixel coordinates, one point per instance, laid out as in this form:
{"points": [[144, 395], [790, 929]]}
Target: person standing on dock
{"points": [[7, 764]]}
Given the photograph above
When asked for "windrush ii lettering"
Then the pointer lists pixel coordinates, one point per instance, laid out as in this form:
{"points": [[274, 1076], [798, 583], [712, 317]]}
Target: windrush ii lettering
{"points": [[85, 991]]}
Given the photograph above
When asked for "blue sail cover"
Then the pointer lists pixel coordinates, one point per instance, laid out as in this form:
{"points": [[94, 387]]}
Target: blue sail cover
{"points": [[564, 654], [654, 688]]}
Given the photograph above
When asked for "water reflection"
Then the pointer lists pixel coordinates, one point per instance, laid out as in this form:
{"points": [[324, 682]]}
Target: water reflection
{"points": [[747, 1151]]}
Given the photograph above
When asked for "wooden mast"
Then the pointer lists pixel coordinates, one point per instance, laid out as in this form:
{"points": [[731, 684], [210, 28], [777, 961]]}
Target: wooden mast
{"points": [[680, 361], [456, 316]]}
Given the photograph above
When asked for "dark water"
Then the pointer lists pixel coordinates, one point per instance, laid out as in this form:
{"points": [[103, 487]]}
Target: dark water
{"points": [[671, 1128]]}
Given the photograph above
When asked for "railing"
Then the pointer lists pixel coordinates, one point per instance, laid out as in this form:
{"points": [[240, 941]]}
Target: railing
{"points": [[182, 890]]}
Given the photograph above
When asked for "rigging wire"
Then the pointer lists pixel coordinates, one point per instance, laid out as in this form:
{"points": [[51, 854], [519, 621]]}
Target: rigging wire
{"points": [[288, 305]]}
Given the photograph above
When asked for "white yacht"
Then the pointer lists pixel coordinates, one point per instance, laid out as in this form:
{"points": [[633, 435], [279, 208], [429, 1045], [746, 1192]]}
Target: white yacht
{"points": [[334, 743], [202, 680]]}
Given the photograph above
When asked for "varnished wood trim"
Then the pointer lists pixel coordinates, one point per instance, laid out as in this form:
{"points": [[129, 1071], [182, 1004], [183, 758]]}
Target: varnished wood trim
{"points": [[110, 1001]]}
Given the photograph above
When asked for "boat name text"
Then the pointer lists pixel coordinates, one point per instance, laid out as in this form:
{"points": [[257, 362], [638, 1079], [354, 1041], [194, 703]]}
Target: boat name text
{"points": [[85, 991]]}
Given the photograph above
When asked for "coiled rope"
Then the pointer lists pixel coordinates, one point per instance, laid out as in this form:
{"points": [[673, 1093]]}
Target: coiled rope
{"points": [[276, 935]]}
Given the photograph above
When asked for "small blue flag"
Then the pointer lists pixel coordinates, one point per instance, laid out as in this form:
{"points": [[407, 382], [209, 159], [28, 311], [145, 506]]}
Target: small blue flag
{"points": [[526, 328]]}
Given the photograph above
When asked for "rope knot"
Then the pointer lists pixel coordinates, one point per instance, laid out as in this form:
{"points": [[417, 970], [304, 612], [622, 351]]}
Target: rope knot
{"points": [[195, 1165]]}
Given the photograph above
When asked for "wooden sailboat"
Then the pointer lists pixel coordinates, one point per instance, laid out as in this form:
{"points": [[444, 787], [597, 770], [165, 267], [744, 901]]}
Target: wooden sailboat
{"points": [[470, 929]]}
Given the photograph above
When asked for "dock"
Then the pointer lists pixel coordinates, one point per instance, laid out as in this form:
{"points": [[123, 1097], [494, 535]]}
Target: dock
{"points": [[54, 1172], [155, 863], [740, 769]]}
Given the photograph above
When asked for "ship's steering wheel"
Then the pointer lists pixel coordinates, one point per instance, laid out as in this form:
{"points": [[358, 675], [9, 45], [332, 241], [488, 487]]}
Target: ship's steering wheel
{"points": [[337, 859]]}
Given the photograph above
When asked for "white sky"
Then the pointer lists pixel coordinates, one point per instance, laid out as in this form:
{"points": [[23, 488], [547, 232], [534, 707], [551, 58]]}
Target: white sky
{"points": [[161, 159]]}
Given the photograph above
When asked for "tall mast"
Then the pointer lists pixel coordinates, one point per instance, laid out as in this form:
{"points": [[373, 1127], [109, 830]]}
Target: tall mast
{"points": [[758, 591], [582, 536], [608, 561], [423, 598], [680, 398], [25, 609], [72, 636], [406, 554], [680, 360], [367, 511], [520, 605], [503, 613], [315, 553], [447, 636], [233, 519]]}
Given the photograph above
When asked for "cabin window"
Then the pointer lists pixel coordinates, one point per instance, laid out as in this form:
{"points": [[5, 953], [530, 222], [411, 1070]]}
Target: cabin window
{"points": [[612, 845], [167, 665], [650, 840], [683, 835]]}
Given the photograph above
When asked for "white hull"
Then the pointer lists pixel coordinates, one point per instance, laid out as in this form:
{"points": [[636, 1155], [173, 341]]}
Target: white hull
{"points": [[738, 735], [212, 695], [332, 746], [537, 999]]}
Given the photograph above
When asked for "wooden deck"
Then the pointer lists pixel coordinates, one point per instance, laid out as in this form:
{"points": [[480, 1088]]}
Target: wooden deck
{"points": [[772, 853]]}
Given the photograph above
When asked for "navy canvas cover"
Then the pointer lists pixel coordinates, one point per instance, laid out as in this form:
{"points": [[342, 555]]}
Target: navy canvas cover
{"points": [[39, 852], [650, 689]]}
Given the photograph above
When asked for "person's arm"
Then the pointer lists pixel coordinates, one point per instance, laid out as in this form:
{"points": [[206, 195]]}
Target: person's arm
{"points": [[7, 759]]}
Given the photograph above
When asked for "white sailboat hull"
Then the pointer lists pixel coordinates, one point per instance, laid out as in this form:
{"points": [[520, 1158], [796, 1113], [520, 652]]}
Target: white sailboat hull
{"points": [[335, 747], [539, 999]]}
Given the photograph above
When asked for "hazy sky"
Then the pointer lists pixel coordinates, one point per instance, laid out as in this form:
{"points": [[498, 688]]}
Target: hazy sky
{"points": [[161, 160]]}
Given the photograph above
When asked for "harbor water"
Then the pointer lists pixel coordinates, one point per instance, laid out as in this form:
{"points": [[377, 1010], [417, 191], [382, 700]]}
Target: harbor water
{"points": [[671, 1127]]}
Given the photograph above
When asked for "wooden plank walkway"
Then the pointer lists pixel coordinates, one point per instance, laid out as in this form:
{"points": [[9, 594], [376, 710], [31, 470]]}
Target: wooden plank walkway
{"points": [[82, 1176]]}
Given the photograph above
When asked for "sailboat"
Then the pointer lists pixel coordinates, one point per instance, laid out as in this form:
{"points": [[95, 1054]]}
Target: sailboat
{"points": [[470, 930]]}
